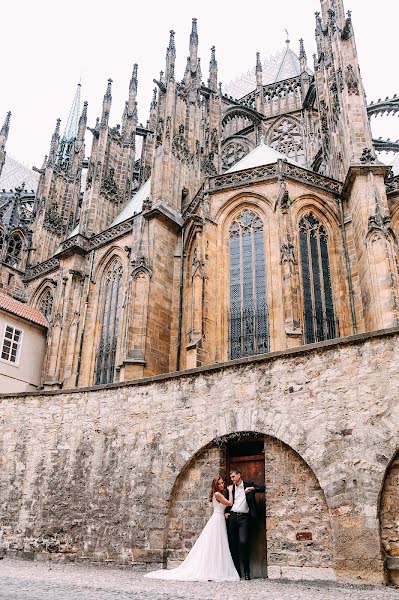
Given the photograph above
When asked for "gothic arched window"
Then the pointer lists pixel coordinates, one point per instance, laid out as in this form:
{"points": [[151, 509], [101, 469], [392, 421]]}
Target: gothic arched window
{"points": [[249, 329], [46, 304], [287, 139], [14, 250], [112, 298], [318, 309]]}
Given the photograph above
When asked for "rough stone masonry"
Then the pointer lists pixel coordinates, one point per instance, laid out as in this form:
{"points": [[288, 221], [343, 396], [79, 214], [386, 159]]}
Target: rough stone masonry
{"points": [[120, 473]]}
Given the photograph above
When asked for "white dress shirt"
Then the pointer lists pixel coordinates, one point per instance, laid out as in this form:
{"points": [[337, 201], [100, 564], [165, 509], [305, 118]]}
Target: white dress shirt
{"points": [[240, 502]]}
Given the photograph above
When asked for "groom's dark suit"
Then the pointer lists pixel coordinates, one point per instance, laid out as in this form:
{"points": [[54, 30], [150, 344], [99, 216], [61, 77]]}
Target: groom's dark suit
{"points": [[238, 527]]}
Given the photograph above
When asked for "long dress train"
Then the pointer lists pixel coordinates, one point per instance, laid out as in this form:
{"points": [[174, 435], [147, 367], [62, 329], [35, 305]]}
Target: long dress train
{"points": [[209, 559]]}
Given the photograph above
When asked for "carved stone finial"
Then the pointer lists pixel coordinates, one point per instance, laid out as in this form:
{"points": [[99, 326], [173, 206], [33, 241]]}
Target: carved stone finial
{"points": [[367, 156]]}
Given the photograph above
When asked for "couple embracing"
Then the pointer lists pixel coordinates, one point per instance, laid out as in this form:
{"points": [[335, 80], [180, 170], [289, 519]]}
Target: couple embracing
{"points": [[218, 552]]}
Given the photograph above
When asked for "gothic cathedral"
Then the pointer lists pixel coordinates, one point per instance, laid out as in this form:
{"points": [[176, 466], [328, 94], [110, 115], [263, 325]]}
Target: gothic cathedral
{"points": [[254, 219]]}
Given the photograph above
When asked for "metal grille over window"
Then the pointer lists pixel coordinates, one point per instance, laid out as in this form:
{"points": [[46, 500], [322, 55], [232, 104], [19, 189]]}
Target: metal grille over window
{"points": [[319, 320], [14, 249], [46, 304], [11, 344], [249, 329], [106, 357]]}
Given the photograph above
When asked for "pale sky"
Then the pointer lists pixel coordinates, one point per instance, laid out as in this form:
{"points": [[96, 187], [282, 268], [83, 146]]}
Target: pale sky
{"points": [[47, 46]]}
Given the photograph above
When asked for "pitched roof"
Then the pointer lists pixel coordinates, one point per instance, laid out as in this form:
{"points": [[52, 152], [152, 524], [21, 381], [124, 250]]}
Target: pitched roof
{"points": [[134, 205], [283, 65], [24, 311], [261, 155], [15, 174]]}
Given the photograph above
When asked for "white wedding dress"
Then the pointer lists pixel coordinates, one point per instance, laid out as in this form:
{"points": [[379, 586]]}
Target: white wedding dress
{"points": [[209, 559]]}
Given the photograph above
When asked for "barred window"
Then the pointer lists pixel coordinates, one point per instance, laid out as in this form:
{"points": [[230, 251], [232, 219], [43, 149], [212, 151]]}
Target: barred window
{"points": [[105, 369], [11, 346], [46, 304], [14, 249], [319, 320], [249, 329]]}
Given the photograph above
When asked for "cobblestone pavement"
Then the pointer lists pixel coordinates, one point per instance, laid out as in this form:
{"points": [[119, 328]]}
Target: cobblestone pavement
{"points": [[20, 580]]}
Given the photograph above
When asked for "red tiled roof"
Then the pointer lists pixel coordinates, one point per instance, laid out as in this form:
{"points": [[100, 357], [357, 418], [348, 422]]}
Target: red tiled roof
{"points": [[22, 310]]}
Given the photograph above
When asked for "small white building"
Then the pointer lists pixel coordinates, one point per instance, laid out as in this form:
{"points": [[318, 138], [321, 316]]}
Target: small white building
{"points": [[23, 332]]}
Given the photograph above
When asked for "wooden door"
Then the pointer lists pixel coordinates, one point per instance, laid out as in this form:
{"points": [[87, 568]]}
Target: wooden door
{"points": [[253, 469]]}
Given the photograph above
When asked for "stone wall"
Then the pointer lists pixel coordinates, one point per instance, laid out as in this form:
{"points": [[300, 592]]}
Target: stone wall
{"points": [[189, 507], [299, 535], [101, 473]]}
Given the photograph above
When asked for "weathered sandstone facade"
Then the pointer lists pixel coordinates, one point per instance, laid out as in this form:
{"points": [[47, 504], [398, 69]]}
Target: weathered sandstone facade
{"points": [[121, 473]]}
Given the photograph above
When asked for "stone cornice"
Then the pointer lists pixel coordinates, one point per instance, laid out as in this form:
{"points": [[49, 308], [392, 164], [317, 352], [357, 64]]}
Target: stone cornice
{"points": [[164, 212], [359, 170]]}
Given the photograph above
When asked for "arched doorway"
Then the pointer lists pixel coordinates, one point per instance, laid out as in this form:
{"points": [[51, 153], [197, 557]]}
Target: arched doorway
{"points": [[292, 535], [389, 521], [247, 453]]}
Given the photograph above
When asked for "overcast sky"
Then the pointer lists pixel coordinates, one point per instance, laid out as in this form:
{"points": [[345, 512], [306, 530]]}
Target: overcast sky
{"points": [[48, 45]]}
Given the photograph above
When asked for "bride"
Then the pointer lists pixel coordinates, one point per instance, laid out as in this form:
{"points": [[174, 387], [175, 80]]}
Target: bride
{"points": [[209, 559]]}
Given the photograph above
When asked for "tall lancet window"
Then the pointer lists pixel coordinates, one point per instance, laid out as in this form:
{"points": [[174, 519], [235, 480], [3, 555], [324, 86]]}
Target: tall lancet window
{"points": [[105, 368], [318, 308], [249, 329]]}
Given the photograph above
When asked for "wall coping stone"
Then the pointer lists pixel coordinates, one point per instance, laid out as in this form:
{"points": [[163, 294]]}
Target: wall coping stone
{"points": [[357, 339]]}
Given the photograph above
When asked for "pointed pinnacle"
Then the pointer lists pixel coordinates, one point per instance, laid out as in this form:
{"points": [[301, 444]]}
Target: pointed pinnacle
{"points": [[258, 63], [302, 52], [171, 41], [6, 126], [194, 30], [133, 81], [57, 127], [213, 62], [108, 91]]}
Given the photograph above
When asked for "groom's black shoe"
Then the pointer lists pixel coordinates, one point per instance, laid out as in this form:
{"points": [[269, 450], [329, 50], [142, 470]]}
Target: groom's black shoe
{"points": [[247, 576]]}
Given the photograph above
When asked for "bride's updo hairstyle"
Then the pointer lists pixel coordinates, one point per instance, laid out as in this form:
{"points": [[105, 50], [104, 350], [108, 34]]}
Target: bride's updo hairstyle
{"points": [[214, 487]]}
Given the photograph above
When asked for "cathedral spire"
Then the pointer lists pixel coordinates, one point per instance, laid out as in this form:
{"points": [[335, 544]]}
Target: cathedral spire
{"points": [[213, 71], [193, 45], [71, 127], [170, 58]]}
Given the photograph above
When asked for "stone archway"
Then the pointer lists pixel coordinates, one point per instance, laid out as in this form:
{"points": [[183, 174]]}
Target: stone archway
{"points": [[389, 520], [298, 530]]}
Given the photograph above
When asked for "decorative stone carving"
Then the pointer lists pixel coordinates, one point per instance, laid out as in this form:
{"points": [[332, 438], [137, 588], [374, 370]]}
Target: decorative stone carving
{"points": [[367, 156], [147, 204], [232, 152], [287, 138], [109, 187], [180, 148], [208, 166], [352, 81], [140, 264], [287, 253]]}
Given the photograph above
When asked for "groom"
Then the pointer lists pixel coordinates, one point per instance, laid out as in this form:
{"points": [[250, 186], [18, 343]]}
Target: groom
{"points": [[239, 516]]}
